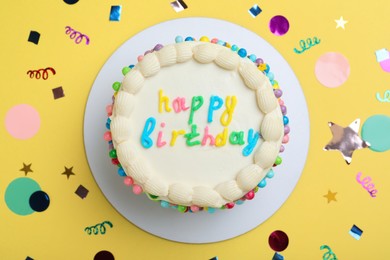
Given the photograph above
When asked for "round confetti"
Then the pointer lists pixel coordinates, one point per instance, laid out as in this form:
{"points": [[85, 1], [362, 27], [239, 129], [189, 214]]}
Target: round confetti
{"points": [[22, 121], [39, 201], [71, 2], [18, 193], [375, 130], [104, 255], [278, 241], [279, 25], [332, 69]]}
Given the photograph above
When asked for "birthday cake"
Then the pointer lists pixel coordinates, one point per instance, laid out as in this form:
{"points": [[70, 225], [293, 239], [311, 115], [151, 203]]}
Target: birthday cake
{"points": [[197, 125]]}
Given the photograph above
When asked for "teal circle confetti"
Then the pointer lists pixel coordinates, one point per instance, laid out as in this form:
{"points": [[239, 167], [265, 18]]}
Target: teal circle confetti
{"points": [[376, 131], [18, 193]]}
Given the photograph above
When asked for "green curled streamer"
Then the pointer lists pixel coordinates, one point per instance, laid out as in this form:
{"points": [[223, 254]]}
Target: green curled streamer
{"points": [[98, 228], [328, 255]]}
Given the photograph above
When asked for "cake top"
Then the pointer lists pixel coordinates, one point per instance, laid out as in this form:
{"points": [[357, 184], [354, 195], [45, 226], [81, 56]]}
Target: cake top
{"points": [[196, 124]]}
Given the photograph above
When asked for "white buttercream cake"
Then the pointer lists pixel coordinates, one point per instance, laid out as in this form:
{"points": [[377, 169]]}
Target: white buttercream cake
{"points": [[196, 125]]}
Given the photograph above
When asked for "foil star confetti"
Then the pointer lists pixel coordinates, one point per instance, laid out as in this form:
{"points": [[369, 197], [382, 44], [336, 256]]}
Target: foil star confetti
{"points": [[346, 139]]}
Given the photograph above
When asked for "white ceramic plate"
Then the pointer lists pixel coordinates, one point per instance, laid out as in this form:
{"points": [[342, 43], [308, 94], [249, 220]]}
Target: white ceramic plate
{"points": [[201, 227]]}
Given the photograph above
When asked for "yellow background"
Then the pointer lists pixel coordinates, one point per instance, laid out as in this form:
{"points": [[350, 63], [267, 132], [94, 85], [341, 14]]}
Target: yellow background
{"points": [[307, 218]]}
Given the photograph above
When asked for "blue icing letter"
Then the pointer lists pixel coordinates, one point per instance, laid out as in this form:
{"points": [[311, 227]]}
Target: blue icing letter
{"points": [[150, 124], [252, 141], [215, 104]]}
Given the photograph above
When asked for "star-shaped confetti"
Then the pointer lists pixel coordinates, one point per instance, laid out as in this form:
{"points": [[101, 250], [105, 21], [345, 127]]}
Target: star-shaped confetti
{"points": [[68, 172], [341, 23], [346, 139], [330, 196], [26, 168]]}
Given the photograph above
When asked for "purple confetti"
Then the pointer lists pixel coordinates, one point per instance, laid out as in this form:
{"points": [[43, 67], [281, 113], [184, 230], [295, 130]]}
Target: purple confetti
{"points": [[58, 93], [279, 25], [82, 192]]}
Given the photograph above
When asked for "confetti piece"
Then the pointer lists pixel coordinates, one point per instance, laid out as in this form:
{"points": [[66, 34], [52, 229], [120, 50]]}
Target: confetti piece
{"points": [[330, 196], [115, 13], [383, 57], [37, 73], [82, 192], [328, 255], [71, 2], [366, 184], [34, 37], [18, 193], [279, 25], [332, 69], [214, 258], [58, 92], [278, 240], [22, 121], [26, 169], [375, 130], [254, 11], [73, 33], [386, 96], [346, 139], [104, 255], [179, 5], [39, 201], [68, 172], [98, 228], [340, 23], [277, 256], [29, 258], [305, 45], [356, 232]]}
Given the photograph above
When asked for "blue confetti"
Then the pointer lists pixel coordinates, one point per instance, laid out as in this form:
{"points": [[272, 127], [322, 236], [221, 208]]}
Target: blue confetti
{"points": [[277, 256], [254, 11], [115, 13], [356, 232]]}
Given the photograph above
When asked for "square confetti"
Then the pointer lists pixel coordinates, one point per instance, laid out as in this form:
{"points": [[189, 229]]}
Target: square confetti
{"points": [[115, 13], [29, 258], [82, 191], [254, 11], [214, 258], [382, 55], [58, 92], [277, 256], [179, 6], [34, 37], [356, 232]]}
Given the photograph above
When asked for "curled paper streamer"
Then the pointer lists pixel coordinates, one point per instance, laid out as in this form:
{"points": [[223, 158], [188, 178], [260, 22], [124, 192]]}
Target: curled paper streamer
{"points": [[98, 228], [328, 255], [386, 96], [305, 45], [37, 73], [73, 33]]}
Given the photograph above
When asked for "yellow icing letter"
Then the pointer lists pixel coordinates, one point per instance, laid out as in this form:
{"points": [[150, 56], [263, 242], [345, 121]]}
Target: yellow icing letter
{"points": [[163, 100], [220, 139], [175, 134], [227, 115]]}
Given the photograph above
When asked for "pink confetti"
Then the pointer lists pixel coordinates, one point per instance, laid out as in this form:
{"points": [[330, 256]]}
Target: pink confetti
{"points": [[22, 121], [332, 69]]}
